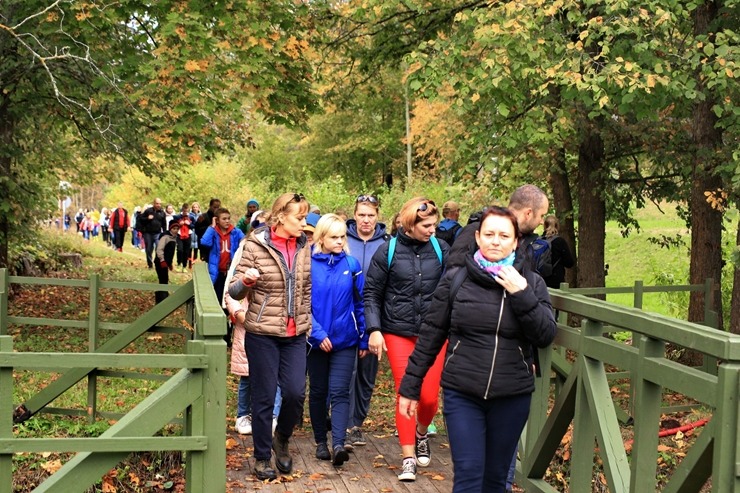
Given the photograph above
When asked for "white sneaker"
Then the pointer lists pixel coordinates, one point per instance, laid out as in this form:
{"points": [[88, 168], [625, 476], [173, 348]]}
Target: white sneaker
{"points": [[274, 425], [244, 425]]}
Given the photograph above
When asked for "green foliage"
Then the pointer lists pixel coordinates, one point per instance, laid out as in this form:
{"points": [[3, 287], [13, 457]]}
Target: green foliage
{"points": [[41, 251]]}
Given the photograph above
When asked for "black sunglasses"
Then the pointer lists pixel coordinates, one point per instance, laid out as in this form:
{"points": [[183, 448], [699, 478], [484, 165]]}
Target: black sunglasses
{"points": [[428, 205], [366, 198], [298, 197]]}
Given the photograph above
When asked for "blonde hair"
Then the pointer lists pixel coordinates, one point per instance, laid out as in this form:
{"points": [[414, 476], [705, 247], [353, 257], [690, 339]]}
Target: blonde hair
{"points": [[551, 226], [411, 212], [285, 203], [329, 225]]}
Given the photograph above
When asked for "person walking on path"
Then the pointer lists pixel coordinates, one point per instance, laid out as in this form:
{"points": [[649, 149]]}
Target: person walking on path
{"points": [[365, 234], [275, 274], [399, 287], [492, 314], [337, 334]]}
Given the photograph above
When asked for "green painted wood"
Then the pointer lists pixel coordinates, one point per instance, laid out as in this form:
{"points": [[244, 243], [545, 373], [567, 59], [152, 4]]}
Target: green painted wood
{"points": [[725, 420], [48, 322], [132, 375], [92, 341], [214, 402], [686, 334], [144, 420], [583, 440], [6, 414], [99, 444], [143, 286], [50, 281], [694, 470], [115, 344], [694, 382], [210, 318], [104, 360], [606, 424], [538, 456], [647, 419]]}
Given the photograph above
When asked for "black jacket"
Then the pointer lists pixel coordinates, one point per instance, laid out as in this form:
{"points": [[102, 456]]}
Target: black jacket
{"points": [[397, 299], [561, 259], [154, 225], [492, 335]]}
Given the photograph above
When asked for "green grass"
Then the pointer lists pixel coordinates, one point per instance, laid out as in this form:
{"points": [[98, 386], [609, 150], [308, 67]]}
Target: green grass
{"points": [[635, 257]]}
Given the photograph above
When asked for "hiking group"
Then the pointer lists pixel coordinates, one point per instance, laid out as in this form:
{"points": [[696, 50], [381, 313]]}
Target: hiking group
{"points": [[461, 308]]}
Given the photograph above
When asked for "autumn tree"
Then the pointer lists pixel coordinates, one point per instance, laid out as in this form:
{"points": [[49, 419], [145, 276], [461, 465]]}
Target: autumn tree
{"points": [[156, 83]]}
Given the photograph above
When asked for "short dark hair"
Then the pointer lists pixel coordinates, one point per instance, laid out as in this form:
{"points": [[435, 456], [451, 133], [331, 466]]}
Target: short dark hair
{"points": [[213, 201], [221, 210], [527, 196], [495, 210]]}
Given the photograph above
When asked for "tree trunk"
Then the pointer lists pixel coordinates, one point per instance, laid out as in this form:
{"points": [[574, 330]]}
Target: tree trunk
{"points": [[735, 305], [6, 141], [563, 201], [706, 222], [591, 210]]}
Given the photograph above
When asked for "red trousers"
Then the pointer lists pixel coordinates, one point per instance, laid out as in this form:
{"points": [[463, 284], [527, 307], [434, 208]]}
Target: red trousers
{"points": [[399, 350]]}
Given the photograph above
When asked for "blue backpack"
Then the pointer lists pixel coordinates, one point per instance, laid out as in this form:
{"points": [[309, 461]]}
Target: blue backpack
{"points": [[542, 255], [432, 240]]}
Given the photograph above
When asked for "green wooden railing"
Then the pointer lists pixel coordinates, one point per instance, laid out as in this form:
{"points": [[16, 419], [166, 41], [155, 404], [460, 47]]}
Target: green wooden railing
{"points": [[195, 395], [579, 395]]}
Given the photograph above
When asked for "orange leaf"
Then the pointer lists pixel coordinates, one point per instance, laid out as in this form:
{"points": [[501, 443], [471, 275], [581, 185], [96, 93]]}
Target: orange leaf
{"points": [[52, 466], [231, 443], [438, 477]]}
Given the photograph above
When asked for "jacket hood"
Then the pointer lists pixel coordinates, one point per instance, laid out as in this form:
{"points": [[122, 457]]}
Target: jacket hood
{"points": [[352, 230], [329, 258]]}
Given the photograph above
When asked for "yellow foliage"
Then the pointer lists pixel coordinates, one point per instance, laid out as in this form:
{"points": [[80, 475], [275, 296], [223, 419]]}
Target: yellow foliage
{"points": [[180, 30], [192, 66]]}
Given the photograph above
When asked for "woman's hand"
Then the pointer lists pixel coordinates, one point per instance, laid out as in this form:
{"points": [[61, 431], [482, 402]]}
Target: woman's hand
{"points": [[407, 407], [326, 345], [511, 280], [250, 276], [376, 344]]}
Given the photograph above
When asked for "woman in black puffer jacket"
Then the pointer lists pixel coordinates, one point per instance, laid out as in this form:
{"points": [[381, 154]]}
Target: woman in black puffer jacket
{"points": [[493, 314], [399, 287]]}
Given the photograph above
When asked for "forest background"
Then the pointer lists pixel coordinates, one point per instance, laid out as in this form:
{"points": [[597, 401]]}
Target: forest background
{"points": [[607, 105]]}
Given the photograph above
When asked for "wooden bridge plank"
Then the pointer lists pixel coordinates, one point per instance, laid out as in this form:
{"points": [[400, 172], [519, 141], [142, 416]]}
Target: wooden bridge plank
{"points": [[371, 469]]}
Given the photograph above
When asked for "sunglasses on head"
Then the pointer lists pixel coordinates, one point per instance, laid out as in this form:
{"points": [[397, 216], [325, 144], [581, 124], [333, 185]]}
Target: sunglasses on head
{"points": [[298, 197], [366, 198], [428, 205]]}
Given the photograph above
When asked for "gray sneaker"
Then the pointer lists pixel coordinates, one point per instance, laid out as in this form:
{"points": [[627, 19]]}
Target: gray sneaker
{"points": [[355, 437], [408, 470]]}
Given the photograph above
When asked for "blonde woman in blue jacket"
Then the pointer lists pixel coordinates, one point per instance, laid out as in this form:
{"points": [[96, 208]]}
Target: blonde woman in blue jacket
{"points": [[338, 329]]}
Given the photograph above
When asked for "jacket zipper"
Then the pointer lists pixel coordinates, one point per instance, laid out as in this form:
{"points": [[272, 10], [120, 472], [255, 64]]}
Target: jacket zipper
{"points": [[262, 308], [495, 349], [452, 353]]}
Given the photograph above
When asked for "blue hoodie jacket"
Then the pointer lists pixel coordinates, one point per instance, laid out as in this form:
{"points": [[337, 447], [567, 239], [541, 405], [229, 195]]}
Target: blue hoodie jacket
{"points": [[336, 301], [364, 250], [213, 240]]}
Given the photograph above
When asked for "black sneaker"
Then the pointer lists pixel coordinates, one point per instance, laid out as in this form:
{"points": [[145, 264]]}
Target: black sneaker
{"points": [[322, 451], [340, 456], [264, 471], [423, 452], [355, 437], [408, 470]]}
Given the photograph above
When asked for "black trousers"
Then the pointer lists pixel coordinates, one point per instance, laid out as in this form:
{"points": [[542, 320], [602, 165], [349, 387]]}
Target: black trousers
{"points": [[118, 237], [163, 274]]}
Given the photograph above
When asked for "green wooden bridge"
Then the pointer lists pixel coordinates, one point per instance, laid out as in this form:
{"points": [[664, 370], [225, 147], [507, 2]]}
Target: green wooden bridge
{"points": [[574, 405]]}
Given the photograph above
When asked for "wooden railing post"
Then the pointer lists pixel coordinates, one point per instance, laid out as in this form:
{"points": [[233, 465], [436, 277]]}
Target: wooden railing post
{"points": [[6, 413], [92, 338], [206, 471], [724, 471]]}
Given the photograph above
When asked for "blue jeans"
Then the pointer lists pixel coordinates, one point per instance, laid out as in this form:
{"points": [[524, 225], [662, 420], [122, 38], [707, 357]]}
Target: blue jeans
{"points": [[277, 361], [330, 374], [150, 243], [244, 398], [361, 390], [483, 436]]}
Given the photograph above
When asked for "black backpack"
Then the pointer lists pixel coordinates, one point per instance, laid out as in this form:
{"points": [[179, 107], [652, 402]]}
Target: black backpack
{"points": [[448, 235]]}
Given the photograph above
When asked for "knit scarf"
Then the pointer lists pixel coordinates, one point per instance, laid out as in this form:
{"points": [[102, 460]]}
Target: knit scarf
{"points": [[493, 268]]}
